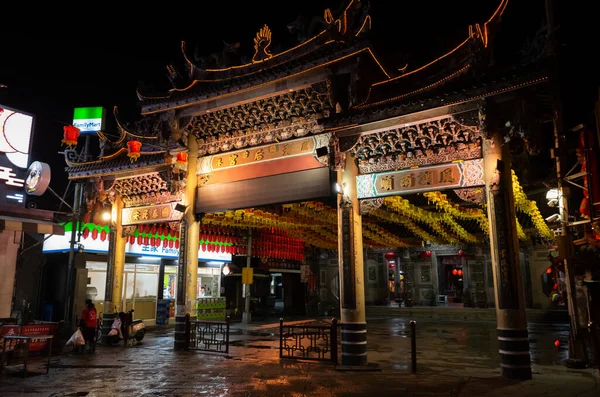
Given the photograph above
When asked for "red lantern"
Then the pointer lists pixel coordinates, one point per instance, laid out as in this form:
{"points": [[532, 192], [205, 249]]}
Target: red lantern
{"points": [[103, 235], [460, 272], [139, 239], [70, 135], [171, 243], [454, 272], [165, 243], [87, 218], [182, 158], [177, 244], [549, 270], [461, 253], [86, 233], [94, 234], [133, 150], [390, 256], [131, 239]]}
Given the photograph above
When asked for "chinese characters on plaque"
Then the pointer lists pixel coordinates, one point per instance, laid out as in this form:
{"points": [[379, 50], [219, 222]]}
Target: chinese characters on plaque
{"points": [[452, 175], [150, 214], [271, 152]]}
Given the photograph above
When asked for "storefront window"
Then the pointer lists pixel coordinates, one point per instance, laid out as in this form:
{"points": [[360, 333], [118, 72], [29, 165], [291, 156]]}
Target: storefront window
{"points": [[170, 282], [208, 282], [97, 284], [139, 293], [141, 290]]}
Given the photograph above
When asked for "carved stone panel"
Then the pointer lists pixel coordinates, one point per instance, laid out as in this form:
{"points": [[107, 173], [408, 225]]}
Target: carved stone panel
{"points": [[441, 140], [291, 115]]}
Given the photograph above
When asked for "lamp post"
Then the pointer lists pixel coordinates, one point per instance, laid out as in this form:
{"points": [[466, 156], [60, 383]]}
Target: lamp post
{"points": [[247, 317]]}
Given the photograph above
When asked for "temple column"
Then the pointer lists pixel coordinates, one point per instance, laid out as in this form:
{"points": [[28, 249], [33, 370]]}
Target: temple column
{"points": [[115, 267], [351, 268], [189, 238], [504, 244]]}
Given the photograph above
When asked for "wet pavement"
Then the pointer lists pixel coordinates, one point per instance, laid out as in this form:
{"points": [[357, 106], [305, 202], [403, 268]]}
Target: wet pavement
{"points": [[454, 359]]}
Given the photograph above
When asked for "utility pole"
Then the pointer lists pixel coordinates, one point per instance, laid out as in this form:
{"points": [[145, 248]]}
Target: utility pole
{"points": [[69, 287], [565, 244], [75, 219], [247, 317]]}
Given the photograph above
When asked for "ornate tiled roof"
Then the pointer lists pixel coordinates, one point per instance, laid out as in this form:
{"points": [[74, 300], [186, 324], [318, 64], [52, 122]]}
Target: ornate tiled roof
{"points": [[459, 86], [117, 165], [201, 90], [341, 38]]}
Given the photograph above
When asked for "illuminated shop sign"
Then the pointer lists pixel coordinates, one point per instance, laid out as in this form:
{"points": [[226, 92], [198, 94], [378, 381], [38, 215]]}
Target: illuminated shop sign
{"points": [[54, 244], [16, 129], [89, 120]]}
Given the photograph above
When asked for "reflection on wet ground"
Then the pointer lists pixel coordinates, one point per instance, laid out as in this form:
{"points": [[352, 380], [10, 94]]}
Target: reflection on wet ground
{"points": [[451, 343], [454, 358], [458, 345]]}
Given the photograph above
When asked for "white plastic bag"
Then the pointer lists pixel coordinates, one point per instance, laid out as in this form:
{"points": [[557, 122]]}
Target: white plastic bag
{"points": [[76, 339]]}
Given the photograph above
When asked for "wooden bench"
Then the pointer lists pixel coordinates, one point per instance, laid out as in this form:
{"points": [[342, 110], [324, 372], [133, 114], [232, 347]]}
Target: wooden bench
{"points": [[21, 344]]}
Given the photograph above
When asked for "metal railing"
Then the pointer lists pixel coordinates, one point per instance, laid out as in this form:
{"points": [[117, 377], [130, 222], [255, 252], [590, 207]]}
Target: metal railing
{"points": [[208, 336], [309, 342]]}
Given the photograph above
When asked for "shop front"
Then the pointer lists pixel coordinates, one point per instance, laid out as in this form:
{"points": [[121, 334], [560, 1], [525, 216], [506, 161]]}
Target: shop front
{"points": [[149, 277]]}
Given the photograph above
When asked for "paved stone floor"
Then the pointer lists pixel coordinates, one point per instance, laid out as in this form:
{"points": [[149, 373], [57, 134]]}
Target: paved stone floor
{"points": [[454, 359]]}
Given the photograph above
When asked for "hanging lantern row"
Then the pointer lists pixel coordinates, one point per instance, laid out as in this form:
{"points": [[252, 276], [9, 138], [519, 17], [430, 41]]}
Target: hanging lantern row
{"points": [[266, 243], [95, 233], [70, 136], [160, 232], [220, 230]]}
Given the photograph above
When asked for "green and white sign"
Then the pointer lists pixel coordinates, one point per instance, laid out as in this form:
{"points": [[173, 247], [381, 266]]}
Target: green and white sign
{"points": [[89, 120]]}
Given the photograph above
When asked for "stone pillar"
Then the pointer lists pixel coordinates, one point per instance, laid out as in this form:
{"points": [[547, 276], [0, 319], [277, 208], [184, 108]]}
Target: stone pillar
{"points": [[508, 285], [115, 267], [189, 238], [351, 268]]}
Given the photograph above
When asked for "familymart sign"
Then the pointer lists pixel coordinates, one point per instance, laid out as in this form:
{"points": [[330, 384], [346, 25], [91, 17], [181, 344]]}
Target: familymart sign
{"points": [[89, 120]]}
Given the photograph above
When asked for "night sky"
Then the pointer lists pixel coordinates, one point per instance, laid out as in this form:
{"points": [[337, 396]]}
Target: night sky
{"points": [[96, 56]]}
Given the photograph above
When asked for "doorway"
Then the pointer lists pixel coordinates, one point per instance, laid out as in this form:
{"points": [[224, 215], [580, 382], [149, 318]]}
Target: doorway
{"points": [[454, 284], [275, 300]]}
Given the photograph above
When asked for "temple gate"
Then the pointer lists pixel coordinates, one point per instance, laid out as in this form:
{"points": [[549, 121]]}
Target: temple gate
{"points": [[323, 143]]}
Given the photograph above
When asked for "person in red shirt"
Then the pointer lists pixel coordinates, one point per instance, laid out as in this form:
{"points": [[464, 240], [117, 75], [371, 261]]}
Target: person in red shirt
{"points": [[89, 322]]}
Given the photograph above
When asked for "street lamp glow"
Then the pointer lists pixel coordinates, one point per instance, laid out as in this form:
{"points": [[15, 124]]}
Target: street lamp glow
{"points": [[552, 194], [106, 216], [226, 270]]}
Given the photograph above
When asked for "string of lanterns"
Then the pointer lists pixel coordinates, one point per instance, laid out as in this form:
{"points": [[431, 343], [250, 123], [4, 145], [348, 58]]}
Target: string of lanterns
{"points": [[441, 202], [315, 223], [405, 209], [529, 207], [407, 223]]}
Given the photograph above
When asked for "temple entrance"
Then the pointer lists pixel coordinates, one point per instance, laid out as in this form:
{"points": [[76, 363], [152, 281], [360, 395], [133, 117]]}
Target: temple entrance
{"points": [[451, 281]]}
